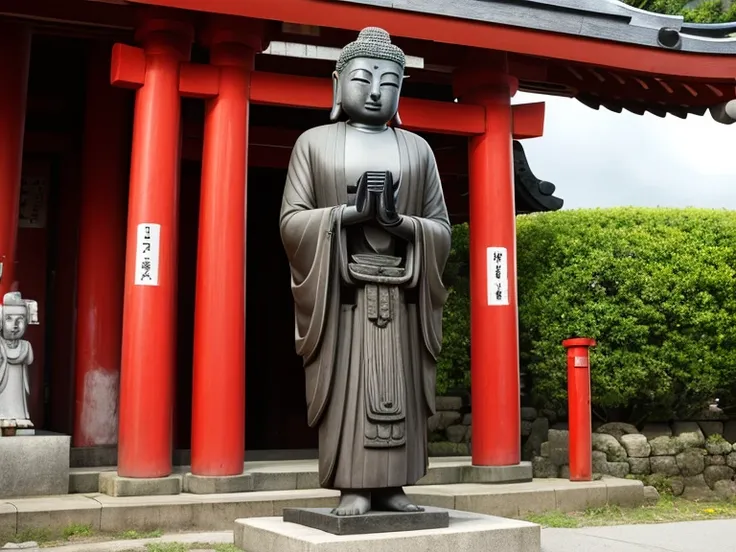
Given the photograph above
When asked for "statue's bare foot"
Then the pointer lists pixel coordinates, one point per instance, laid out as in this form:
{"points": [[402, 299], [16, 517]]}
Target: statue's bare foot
{"points": [[394, 500], [353, 503]]}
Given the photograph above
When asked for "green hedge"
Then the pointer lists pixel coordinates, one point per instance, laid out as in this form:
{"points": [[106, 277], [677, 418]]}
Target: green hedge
{"points": [[655, 287]]}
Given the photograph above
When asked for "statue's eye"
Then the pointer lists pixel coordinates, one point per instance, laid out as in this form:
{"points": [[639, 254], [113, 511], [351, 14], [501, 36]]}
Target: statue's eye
{"points": [[389, 83], [362, 80]]}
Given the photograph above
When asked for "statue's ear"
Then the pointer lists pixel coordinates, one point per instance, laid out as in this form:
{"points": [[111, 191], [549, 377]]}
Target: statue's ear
{"points": [[396, 121], [336, 112]]}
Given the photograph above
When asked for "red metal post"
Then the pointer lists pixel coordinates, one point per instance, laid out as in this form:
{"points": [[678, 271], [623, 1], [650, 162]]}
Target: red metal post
{"points": [[101, 263], [15, 52], [494, 321], [218, 389], [579, 417], [149, 314]]}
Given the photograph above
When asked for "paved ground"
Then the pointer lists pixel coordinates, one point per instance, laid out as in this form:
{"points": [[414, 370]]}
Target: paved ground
{"points": [[697, 536]]}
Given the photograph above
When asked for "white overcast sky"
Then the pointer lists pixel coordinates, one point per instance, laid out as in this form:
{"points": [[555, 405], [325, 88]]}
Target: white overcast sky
{"points": [[605, 159]]}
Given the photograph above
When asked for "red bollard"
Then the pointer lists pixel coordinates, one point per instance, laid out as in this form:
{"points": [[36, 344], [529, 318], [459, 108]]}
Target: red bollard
{"points": [[578, 396]]}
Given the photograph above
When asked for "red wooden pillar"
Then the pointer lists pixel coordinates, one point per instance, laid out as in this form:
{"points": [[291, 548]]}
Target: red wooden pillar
{"points": [[15, 52], [149, 314], [493, 305], [101, 262], [218, 389]]}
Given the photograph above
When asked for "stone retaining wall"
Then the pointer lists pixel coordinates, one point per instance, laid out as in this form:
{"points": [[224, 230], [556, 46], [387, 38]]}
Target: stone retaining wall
{"points": [[450, 428], [696, 460]]}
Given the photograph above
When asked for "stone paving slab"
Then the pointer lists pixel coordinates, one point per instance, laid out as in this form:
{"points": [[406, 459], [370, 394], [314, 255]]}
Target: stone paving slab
{"points": [[694, 536], [188, 512]]}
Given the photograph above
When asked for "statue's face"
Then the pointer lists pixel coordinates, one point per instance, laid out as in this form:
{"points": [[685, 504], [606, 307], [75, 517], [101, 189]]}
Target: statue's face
{"points": [[369, 90], [14, 326]]}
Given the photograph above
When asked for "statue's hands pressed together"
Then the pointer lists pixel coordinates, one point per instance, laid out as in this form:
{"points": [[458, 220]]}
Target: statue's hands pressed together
{"points": [[386, 212]]}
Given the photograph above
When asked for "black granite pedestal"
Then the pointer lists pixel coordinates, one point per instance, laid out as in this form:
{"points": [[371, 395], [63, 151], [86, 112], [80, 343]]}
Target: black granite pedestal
{"points": [[373, 522]]}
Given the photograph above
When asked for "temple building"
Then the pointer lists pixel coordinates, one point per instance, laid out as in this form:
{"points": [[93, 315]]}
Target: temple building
{"points": [[143, 153]]}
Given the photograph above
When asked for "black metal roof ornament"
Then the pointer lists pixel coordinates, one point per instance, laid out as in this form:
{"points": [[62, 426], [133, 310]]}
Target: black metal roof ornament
{"points": [[532, 194]]}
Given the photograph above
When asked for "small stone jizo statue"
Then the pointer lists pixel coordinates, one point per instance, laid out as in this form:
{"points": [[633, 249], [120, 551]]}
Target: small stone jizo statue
{"points": [[366, 231], [16, 354]]}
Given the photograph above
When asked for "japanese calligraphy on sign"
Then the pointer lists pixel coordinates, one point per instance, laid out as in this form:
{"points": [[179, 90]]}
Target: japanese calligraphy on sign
{"points": [[147, 254], [497, 276], [33, 202]]}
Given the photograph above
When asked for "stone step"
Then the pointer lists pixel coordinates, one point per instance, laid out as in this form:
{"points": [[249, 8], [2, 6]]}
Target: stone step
{"points": [[188, 512], [286, 475]]}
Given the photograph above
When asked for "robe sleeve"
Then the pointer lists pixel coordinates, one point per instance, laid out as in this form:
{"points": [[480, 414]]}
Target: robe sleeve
{"points": [[307, 234], [432, 245]]}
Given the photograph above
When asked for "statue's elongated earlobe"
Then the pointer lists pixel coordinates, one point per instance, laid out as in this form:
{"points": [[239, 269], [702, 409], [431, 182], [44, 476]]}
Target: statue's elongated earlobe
{"points": [[336, 112], [396, 121]]}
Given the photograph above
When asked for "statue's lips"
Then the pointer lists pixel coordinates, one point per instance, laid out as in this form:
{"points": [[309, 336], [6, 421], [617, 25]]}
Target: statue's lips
{"points": [[373, 106]]}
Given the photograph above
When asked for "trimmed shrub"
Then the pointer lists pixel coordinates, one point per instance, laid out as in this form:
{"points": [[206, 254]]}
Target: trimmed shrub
{"points": [[655, 287]]}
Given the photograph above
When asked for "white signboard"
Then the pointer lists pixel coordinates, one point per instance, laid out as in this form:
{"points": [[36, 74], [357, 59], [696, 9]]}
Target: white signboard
{"points": [[147, 255], [497, 276]]}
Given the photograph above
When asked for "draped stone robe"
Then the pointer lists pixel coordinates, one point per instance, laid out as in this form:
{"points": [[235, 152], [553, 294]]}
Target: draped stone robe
{"points": [[329, 322], [14, 381]]}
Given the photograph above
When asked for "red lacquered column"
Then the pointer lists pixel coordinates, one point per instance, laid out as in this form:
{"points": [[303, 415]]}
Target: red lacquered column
{"points": [[149, 314], [101, 261], [218, 389], [15, 51], [578, 396], [493, 304]]}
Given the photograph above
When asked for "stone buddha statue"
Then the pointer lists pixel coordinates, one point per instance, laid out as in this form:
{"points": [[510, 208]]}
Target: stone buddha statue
{"points": [[366, 231], [16, 355]]}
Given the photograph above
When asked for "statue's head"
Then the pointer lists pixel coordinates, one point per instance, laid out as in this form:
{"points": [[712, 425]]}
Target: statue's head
{"points": [[367, 79], [17, 313]]}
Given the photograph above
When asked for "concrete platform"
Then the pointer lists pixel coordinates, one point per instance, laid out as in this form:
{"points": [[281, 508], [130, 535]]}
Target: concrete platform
{"points": [[468, 532], [289, 475], [520, 473], [190, 512], [34, 465], [112, 484]]}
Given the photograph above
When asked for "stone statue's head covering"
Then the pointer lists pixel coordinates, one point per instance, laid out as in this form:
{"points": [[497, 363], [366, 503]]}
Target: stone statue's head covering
{"points": [[13, 303], [372, 42]]}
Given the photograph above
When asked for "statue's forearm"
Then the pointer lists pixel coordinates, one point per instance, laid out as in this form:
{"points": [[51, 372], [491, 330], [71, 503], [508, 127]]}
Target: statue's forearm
{"points": [[403, 230], [351, 215]]}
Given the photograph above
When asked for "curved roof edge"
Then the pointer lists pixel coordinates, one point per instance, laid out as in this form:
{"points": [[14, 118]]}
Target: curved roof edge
{"points": [[610, 20]]}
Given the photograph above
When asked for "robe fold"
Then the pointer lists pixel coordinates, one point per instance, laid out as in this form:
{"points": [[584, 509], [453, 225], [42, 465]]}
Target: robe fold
{"points": [[329, 329]]}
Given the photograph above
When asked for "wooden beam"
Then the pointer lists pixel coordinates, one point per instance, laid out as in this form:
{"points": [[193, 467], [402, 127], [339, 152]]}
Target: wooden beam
{"points": [[528, 120], [417, 115]]}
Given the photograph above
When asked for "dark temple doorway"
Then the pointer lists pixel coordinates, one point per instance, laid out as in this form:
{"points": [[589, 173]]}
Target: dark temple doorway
{"points": [[276, 411]]}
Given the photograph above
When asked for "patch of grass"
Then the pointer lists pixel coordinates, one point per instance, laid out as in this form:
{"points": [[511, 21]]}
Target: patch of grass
{"points": [[132, 534], [167, 547], [225, 548], [668, 509], [77, 530], [37, 535]]}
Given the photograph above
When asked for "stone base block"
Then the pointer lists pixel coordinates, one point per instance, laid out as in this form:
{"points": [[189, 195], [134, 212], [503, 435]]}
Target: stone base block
{"points": [[113, 485], [520, 473], [373, 522], [467, 533], [201, 484], [34, 465]]}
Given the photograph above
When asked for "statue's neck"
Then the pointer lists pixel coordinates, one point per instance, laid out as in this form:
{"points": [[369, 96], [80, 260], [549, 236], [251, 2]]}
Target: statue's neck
{"points": [[375, 129], [12, 343]]}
